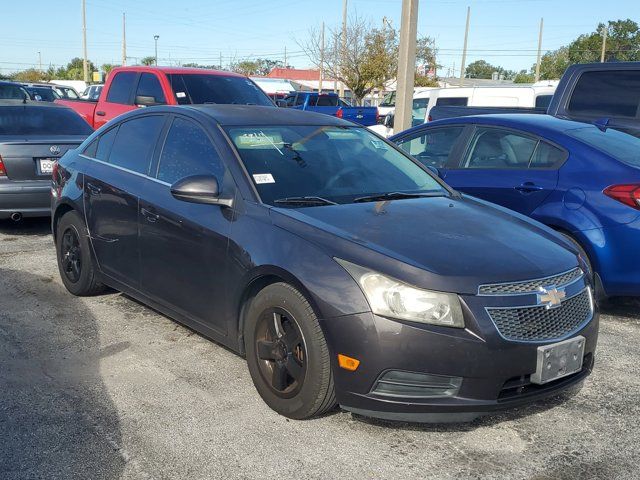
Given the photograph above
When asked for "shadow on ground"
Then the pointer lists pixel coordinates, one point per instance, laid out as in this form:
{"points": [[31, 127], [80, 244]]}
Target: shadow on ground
{"points": [[26, 226], [56, 417]]}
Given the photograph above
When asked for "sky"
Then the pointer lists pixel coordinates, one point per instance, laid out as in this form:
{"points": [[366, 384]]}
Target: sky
{"points": [[502, 32]]}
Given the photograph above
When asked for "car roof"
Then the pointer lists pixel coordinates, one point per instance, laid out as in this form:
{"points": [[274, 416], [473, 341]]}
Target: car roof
{"points": [[176, 70], [30, 103], [264, 115]]}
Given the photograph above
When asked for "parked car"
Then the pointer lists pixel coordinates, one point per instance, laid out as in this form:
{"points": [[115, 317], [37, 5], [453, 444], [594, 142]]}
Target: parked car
{"points": [[41, 93], [129, 88], [332, 104], [418, 111], [578, 179], [12, 91], [92, 92], [32, 137], [65, 91], [388, 104], [339, 266]]}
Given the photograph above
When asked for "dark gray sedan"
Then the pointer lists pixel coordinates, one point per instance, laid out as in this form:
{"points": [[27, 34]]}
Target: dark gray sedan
{"points": [[32, 137]]}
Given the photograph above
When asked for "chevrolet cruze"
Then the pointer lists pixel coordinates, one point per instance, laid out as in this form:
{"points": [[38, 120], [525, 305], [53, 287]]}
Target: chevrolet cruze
{"points": [[345, 271]]}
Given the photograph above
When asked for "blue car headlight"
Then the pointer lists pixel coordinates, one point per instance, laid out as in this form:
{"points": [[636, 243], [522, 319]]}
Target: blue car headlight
{"points": [[392, 298]]}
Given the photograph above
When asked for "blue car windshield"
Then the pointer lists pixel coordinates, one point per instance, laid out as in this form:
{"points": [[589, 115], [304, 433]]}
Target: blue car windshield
{"points": [[619, 145], [339, 164]]}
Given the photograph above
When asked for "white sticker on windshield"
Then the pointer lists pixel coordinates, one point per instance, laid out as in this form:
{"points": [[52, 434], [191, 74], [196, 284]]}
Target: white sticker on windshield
{"points": [[379, 144], [181, 94], [263, 178]]}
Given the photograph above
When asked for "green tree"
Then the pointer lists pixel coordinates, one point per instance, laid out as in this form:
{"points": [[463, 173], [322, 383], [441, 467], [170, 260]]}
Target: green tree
{"points": [[107, 67], [148, 61], [258, 66], [523, 77], [481, 69], [30, 75], [74, 70]]}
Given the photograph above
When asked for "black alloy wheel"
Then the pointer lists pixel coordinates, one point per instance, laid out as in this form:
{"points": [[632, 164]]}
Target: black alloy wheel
{"points": [[71, 252], [281, 350]]}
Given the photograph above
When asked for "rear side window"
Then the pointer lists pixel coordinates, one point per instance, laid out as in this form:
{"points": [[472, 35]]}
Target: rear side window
{"points": [[135, 142], [498, 149], [453, 101], [188, 151], [149, 87], [546, 156], [543, 101], [33, 120], [327, 101], [121, 86], [607, 94], [101, 146], [433, 148]]}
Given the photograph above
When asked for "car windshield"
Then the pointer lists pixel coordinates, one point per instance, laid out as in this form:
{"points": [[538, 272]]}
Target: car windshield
{"points": [[206, 88], [619, 145], [325, 164], [32, 120]]}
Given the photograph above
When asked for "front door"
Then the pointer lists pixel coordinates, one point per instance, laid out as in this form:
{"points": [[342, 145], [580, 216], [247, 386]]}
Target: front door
{"points": [[509, 168], [188, 239]]}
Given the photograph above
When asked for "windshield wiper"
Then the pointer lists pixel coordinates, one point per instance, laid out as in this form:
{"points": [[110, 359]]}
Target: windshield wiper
{"points": [[304, 201], [397, 196]]}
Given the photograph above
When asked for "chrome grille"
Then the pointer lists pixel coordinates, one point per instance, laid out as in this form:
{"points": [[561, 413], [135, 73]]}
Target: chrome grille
{"points": [[540, 323], [530, 286]]}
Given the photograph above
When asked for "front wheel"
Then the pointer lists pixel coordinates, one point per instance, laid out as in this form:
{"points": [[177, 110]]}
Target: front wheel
{"points": [[287, 353]]}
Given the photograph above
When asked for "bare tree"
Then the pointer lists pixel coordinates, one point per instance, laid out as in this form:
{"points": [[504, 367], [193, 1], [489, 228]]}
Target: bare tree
{"points": [[369, 61]]}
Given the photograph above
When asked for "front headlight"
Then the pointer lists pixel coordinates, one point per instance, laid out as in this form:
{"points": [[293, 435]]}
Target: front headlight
{"points": [[392, 298]]}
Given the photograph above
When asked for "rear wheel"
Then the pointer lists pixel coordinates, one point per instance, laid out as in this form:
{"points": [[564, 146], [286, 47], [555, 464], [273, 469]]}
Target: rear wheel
{"points": [[287, 353], [75, 263]]}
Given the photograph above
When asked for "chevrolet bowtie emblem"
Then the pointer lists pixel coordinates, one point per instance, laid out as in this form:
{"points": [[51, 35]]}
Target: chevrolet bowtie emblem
{"points": [[551, 297]]}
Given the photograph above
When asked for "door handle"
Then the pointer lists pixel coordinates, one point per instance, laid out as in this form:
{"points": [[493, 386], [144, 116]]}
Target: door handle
{"points": [[528, 187], [94, 189], [150, 216], [100, 113]]}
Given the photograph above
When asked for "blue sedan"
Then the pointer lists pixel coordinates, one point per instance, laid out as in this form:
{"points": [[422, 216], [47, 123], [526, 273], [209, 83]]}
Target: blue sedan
{"points": [[578, 179]]}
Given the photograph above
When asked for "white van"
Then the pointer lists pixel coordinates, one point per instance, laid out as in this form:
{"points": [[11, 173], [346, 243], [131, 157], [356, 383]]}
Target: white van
{"points": [[418, 109], [512, 96]]}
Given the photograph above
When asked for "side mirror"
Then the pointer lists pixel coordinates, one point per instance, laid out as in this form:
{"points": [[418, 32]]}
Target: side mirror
{"points": [[199, 189], [434, 170], [281, 103], [388, 120], [144, 101]]}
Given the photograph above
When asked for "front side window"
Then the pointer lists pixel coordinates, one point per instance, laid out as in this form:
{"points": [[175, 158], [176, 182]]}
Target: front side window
{"points": [[389, 100], [607, 94], [497, 148], [339, 164], [188, 151], [134, 143], [120, 89], [418, 110], [197, 88], [149, 90], [433, 148]]}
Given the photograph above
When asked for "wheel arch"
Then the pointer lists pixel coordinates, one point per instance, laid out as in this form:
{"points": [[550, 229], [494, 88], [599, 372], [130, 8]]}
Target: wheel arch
{"points": [[61, 210], [257, 280]]}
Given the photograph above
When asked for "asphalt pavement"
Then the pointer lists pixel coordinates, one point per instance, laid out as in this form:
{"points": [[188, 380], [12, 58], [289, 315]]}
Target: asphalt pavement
{"points": [[106, 388]]}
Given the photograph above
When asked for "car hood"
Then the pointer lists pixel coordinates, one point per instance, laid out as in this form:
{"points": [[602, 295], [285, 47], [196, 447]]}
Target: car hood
{"points": [[447, 244]]}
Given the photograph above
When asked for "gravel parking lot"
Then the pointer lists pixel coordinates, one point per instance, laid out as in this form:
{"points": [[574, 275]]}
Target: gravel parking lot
{"points": [[104, 387]]}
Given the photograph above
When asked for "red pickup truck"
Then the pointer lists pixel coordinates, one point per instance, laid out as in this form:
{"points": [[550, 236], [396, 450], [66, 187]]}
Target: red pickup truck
{"points": [[128, 88]]}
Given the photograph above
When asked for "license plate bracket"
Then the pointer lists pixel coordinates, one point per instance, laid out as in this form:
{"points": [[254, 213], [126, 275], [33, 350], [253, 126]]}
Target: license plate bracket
{"points": [[45, 165], [558, 360]]}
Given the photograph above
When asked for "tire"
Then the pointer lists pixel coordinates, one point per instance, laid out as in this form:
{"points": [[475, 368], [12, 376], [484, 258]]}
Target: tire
{"points": [[282, 332], [75, 263]]}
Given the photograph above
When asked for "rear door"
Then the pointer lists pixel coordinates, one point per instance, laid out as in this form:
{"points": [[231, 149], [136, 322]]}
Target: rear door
{"points": [[189, 239], [112, 185], [119, 98], [508, 167]]}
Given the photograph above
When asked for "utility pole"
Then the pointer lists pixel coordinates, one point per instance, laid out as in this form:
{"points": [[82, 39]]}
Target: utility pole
{"points": [[335, 58], [124, 39], [40, 61], [464, 48], [321, 59], [406, 65], [343, 52], [221, 60], [85, 61], [604, 43], [539, 50], [155, 38], [285, 56]]}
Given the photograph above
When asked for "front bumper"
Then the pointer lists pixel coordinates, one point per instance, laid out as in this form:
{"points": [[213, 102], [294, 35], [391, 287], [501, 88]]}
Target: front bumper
{"points": [[495, 372], [29, 198]]}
